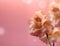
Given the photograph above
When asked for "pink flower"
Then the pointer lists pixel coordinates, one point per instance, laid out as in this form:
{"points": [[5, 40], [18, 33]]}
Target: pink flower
{"points": [[46, 27]]}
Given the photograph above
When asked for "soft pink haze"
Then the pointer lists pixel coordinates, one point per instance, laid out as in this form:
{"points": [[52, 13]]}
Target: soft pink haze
{"points": [[14, 16]]}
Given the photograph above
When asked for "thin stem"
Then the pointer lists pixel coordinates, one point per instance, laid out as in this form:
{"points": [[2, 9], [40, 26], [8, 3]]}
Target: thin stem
{"points": [[48, 39], [53, 44]]}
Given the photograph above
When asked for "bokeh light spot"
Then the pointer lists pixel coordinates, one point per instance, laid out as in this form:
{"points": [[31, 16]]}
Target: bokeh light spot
{"points": [[42, 4], [27, 1], [2, 31]]}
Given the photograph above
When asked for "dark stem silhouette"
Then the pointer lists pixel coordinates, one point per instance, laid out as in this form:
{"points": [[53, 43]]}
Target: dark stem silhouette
{"points": [[49, 40]]}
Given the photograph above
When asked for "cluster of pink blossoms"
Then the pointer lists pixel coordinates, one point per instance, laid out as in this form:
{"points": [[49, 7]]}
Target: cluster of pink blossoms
{"points": [[46, 27]]}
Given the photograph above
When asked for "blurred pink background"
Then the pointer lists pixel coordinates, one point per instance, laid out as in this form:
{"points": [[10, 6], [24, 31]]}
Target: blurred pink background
{"points": [[14, 16]]}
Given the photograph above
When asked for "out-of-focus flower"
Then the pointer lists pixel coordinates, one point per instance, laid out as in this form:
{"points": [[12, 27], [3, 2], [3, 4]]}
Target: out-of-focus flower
{"points": [[35, 24], [45, 28], [39, 26], [54, 9], [54, 35]]}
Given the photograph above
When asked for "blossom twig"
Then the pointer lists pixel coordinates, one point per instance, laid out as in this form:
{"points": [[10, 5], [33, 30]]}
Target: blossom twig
{"points": [[48, 39]]}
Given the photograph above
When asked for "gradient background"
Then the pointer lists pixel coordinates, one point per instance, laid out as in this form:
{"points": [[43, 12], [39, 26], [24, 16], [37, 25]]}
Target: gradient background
{"points": [[14, 16]]}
